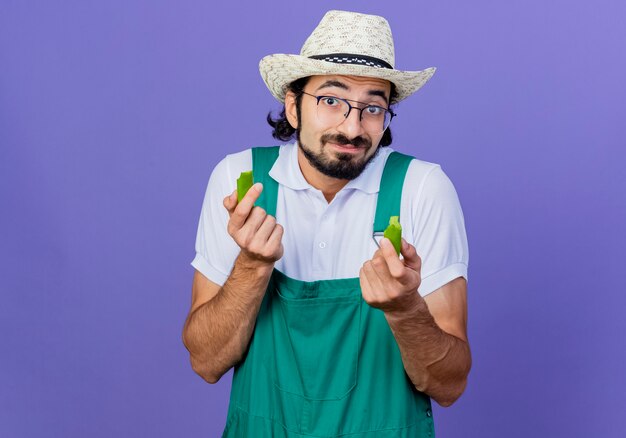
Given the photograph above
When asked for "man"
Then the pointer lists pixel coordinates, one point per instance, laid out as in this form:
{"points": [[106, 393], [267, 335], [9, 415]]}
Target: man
{"points": [[330, 331]]}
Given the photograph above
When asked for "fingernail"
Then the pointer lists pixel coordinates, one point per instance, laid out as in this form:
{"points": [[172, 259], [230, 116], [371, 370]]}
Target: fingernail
{"points": [[258, 187]]}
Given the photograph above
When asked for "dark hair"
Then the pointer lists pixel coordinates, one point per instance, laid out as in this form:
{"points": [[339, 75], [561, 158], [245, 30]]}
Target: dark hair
{"points": [[282, 130]]}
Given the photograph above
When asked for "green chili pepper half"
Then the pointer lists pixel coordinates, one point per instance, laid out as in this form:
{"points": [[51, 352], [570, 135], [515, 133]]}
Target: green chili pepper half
{"points": [[244, 182], [394, 233]]}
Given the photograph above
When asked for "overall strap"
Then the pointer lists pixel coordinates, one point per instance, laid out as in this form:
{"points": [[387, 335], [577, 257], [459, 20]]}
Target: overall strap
{"points": [[390, 192], [263, 159]]}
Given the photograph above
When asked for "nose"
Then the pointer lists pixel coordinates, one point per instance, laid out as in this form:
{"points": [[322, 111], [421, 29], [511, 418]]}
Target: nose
{"points": [[351, 126]]}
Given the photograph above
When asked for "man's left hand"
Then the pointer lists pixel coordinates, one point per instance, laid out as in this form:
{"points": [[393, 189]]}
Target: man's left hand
{"points": [[389, 283]]}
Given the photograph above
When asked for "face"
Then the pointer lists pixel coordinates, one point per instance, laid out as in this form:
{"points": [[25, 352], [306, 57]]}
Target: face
{"points": [[341, 150]]}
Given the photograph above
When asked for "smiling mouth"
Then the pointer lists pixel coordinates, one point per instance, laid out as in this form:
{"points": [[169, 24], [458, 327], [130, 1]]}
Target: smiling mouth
{"points": [[340, 141], [346, 147]]}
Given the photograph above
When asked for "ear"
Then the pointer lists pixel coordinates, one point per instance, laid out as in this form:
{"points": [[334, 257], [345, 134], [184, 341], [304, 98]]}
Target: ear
{"points": [[290, 109]]}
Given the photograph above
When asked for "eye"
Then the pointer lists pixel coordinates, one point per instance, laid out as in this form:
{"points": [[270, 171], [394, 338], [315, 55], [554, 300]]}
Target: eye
{"points": [[330, 101], [374, 110]]}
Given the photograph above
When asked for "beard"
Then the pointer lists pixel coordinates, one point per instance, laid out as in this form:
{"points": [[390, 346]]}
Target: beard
{"points": [[343, 165]]}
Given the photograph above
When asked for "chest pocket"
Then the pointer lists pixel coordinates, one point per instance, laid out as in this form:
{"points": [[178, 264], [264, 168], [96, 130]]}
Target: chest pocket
{"points": [[316, 329]]}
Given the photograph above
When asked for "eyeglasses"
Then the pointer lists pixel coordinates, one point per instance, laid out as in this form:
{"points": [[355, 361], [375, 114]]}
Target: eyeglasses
{"points": [[334, 110]]}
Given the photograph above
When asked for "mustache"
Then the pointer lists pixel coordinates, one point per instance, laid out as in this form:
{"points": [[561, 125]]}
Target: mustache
{"points": [[341, 139]]}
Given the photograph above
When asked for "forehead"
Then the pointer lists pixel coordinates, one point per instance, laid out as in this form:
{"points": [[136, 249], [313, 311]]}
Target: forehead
{"points": [[352, 83]]}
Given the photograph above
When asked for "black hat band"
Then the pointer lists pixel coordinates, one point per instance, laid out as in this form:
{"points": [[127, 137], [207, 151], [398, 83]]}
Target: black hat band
{"points": [[347, 58]]}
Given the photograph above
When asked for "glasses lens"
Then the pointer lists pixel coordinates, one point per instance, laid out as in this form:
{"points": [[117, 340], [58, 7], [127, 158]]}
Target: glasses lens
{"points": [[333, 111], [375, 119]]}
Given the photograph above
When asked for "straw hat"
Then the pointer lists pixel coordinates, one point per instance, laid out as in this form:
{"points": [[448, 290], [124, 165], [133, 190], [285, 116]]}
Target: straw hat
{"points": [[344, 43]]}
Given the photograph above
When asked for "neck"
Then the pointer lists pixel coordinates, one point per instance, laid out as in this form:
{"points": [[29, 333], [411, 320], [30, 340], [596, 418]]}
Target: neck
{"points": [[328, 185]]}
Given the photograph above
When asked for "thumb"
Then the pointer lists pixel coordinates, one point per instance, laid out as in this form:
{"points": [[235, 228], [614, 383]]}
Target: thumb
{"points": [[230, 202]]}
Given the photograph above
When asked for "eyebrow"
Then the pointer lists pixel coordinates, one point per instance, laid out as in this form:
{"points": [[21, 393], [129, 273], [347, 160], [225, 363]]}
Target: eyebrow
{"points": [[338, 84], [380, 93], [333, 83]]}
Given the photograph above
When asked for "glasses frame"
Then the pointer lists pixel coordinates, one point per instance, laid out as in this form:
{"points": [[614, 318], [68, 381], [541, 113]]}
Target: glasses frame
{"points": [[350, 108]]}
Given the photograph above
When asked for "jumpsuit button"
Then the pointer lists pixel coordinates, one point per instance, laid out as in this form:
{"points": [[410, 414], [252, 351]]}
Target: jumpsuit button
{"points": [[322, 245]]}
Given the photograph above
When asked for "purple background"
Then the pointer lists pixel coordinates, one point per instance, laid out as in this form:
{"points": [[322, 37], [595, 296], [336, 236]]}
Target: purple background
{"points": [[113, 113]]}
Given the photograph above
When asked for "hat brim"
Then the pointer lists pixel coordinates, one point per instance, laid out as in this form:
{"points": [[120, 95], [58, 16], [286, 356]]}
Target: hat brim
{"points": [[280, 70]]}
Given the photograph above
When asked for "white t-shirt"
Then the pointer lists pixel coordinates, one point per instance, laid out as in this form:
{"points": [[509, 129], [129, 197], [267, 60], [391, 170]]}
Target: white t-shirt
{"points": [[324, 240]]}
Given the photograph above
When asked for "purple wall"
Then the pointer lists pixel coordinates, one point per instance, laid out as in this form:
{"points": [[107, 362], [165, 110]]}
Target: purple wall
{"points": [[112, 115]]}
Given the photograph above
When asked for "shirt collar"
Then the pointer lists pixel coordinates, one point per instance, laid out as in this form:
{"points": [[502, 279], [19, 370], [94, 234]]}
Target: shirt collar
{"points": [[286, 171]]}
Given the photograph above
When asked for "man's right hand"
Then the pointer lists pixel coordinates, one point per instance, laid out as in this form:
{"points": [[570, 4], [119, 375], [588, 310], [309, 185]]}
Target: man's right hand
{"points": [[256, 232], [221, 320]]}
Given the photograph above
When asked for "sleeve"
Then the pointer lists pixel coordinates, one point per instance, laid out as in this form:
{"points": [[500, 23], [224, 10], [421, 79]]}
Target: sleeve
{"points": [[437, 227], [216, 251]]}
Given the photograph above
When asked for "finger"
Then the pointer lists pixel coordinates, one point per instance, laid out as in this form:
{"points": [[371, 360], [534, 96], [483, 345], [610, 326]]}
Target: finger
{"points": [[374, 281], [252, 224], [379, 265], [274, 242], [366, 288], [394, 264], [243, 208], [276, 236], [247, 202], [265, 230], [411, 259], [244, 235]]}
